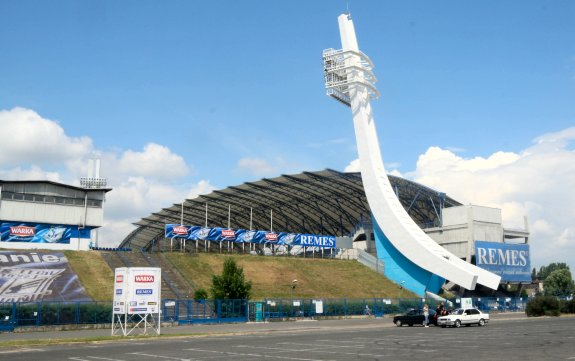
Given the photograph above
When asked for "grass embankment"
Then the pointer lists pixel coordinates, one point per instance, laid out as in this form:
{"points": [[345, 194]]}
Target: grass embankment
{"points": [[93, 272], [271, 277]]}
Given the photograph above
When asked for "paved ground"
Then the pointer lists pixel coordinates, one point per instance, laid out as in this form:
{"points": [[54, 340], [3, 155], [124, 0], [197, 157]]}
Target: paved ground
{"points": [[228, 328], [507, 337]]}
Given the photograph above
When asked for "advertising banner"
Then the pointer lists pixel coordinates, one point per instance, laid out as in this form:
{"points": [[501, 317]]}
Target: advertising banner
{"points": [[217, 234], [144, 290], [38, 276], [137, 290], [40, 233], [510, 261]]}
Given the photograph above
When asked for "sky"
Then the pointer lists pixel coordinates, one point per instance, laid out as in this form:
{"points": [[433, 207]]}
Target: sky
{"points": [[179, 98]]}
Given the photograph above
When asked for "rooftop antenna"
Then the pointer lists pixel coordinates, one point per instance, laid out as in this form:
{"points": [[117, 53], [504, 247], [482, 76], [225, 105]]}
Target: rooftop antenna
{"points": [[93, 180]]}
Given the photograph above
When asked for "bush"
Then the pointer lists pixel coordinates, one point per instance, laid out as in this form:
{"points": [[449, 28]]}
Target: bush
{"points": [[568, 306], [543, 306], [200, 294]]}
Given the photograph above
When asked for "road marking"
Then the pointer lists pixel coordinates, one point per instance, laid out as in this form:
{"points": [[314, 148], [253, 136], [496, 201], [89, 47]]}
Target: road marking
{"points": [[254, 355], [159, 356], [324, 345], [318, 350]]}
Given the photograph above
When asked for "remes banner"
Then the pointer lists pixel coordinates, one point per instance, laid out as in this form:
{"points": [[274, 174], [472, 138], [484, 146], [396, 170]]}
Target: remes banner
{"points": [[510, 261], [241, 235]]}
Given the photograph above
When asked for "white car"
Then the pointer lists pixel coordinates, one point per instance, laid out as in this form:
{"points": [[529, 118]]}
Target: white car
{"points": [[464, 316]]}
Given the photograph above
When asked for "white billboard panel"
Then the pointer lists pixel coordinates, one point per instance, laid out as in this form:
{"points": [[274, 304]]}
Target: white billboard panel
{"points": [[137, 290], [144, 290], [120, 290]]}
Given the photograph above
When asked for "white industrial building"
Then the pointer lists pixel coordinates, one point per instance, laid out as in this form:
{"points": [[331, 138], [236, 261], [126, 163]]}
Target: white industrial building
{"points": [[51, 215]]}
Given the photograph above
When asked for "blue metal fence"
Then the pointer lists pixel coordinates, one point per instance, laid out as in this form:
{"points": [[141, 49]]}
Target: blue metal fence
{"points": [[15, 314]]}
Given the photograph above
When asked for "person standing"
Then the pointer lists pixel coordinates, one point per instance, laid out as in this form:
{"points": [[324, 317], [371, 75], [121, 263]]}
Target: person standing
{"points": [[426, 314]]}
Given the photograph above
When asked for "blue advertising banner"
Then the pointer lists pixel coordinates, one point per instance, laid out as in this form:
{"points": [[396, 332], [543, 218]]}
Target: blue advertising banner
{"points": [[510, 261], [38, 276], [217, 234], [40, 233]]}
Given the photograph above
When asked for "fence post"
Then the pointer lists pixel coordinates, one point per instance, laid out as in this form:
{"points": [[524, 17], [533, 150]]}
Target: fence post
{"points": [[38, 313], [218, 309], [77, 315], [14, 315]]}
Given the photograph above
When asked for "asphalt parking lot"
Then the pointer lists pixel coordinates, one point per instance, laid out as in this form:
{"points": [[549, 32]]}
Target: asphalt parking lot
{"points": [[504, 338]]}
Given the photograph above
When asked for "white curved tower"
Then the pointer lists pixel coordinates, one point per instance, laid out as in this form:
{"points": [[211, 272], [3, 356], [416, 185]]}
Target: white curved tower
{"points": [[349, 80]]}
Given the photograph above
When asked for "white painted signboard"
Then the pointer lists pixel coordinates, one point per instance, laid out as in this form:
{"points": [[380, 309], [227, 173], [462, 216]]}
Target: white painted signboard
{"points": [[144, 290], [120, 290], [137, 296]]}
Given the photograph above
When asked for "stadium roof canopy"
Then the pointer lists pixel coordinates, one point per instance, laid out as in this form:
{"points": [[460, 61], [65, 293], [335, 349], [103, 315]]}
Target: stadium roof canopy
{"points": [[326, 202]]}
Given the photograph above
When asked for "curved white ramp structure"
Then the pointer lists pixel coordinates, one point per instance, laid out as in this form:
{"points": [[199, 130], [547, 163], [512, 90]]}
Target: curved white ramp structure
{"points": [[350, 81]]}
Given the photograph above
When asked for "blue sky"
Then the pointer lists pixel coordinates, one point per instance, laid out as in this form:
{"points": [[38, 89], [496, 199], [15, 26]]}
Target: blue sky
{"points": [[181, 97]]}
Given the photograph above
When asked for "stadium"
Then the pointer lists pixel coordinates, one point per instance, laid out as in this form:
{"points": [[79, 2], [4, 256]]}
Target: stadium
{"points": [[416, 236]]}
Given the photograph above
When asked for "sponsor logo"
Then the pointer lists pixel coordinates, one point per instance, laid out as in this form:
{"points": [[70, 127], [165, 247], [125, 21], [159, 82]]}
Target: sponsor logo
{"points": [[228, 233], [117, 309], [271, 237], [140, 309], [180, 230], [249, 236], [119, 278], [145, 278], [119, 291], [54, 234], [318, 241], [204, 233], [144, 291], [289, 238], [502, 257], [152, 303], [22, 231]]}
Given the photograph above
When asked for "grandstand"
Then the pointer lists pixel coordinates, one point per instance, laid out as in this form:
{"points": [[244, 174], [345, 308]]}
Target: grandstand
{"points": [[325, 202]]}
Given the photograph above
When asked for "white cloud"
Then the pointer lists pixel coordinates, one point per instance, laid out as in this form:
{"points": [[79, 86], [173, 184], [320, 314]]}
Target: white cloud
{"points": [[29, 138], [353, 166], [537, 183], [202, 187], [155, 161], [142, 181], [32, 173]]}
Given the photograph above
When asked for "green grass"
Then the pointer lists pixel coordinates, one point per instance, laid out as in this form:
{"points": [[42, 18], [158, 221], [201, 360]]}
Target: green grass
{"points": [[271, 276], [93, 272]]}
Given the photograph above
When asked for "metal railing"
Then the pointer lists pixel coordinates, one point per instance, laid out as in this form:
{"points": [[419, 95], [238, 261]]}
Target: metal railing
{"points": [[39, 314]]}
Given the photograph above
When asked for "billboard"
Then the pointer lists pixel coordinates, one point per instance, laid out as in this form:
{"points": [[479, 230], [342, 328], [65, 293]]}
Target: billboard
{"points": [[217, 234], [510, 261], [38, 276], [40, 232], [137, 290]]}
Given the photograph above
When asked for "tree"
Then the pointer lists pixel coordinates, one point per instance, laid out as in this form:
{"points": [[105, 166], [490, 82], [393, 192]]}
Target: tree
{"points": [[231, 284], [559, 283], [545, 271]]}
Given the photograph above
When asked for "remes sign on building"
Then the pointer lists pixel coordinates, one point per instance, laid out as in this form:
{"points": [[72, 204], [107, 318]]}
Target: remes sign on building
{"points": [[217, 234], [510, 261]]}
